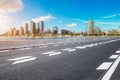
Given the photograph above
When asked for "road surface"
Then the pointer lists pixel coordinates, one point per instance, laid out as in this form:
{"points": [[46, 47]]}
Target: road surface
{"points": [[87, 60]]}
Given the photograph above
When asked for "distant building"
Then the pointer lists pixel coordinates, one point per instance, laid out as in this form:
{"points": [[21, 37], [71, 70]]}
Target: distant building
{"points": [[64, 32], [26, 28], [21, 31], [96, 31], [112, 32], [14, 32], [48, 31], [90, 27], [11, 32], [115, 32], [55, 30], [41, 27], [102, 33], [8, 33], [32, 28], [17, 32]]}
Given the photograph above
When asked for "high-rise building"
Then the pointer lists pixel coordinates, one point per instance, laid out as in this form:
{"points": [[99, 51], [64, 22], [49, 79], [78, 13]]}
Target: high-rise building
{"points": [[55, 30], [17, 32], [8, 33], [26, 28], [21, 31], [41, 27], [64, 32], [90, 27], [96, 31], [14, 32], [11, 32], [32, 28]]}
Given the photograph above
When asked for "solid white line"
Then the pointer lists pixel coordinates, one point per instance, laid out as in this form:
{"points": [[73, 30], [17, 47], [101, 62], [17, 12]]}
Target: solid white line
{"points": [[54, 54], [25, 60], [109, 73], [24, 48], [72, 50], [4, 51], [104, 66], [113, 57], [117, 52], [15, 59]]}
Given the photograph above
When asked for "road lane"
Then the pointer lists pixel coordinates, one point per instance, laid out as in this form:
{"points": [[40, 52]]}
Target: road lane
{"points": [[80, 64]]}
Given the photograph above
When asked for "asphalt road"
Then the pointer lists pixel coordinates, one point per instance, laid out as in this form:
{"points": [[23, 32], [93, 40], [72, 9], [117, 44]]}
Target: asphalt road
{"points": [[89, 60]]}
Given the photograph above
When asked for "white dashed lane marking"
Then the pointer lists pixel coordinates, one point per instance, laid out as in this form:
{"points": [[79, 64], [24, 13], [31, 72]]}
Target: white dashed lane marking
{"points": [[81, 47], [104, 66], [52, 53], [117, 52], [55, 54], [109, 73], [48, 52], [66, 49], [22, 59], [71, 50], [15, 59], [113, 57]]}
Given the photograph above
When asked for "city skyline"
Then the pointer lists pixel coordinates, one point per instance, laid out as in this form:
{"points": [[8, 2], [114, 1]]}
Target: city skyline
{"points": [[73, 18], [34, 29]]}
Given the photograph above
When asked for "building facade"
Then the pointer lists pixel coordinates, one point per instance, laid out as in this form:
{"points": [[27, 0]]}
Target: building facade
{"points": [[26, 28], [55, 30], [32, 28], [41, 27], [90, 27]]}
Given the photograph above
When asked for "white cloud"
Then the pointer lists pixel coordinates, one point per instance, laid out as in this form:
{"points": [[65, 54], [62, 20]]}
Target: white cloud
{"points": [[84, 21], [107, 23], [43, 18], [7, 6], [72, 25], [64, 28], [111, 16], [2, 16]]}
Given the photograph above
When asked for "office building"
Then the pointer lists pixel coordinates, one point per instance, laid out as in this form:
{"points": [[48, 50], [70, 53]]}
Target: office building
{"points": [[55, 30], [11, 32], [96, 31], [41, 27], [21, 31], [32, 28], [90, 28], [64, 32], [14, 32], [26, 28]]}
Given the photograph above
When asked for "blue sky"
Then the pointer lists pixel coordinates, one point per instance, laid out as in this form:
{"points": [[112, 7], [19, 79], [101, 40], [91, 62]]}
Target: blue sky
{"points": [[69, 14]]}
